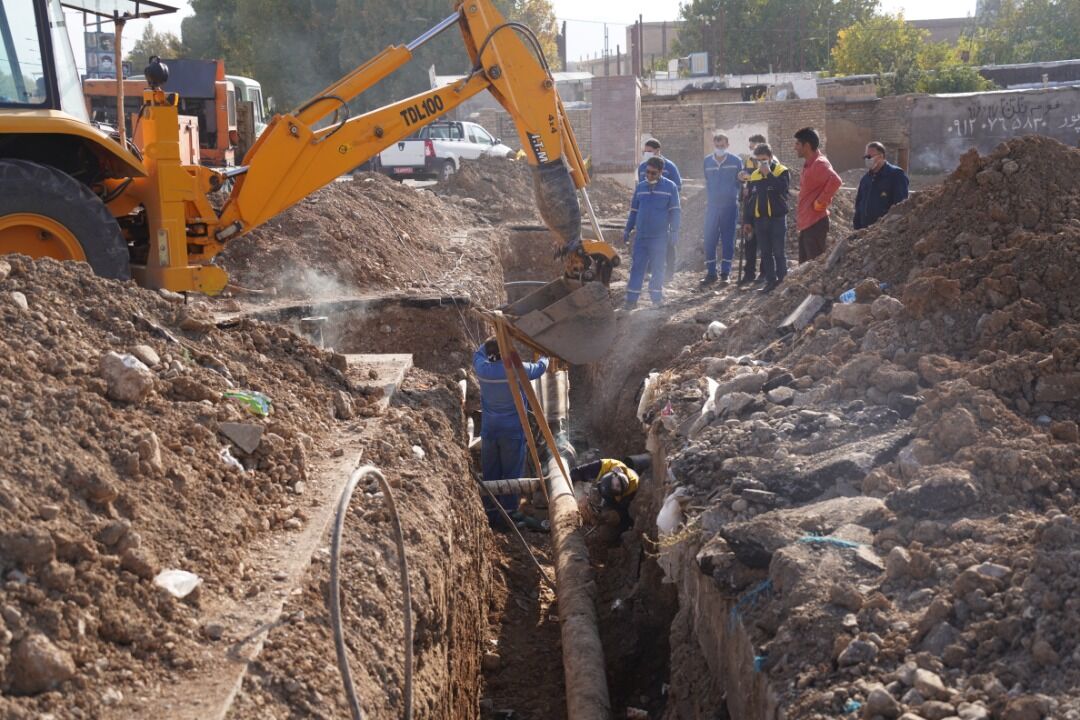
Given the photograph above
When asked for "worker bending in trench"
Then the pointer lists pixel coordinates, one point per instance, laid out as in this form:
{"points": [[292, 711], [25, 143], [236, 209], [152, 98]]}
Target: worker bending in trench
{"points": [[502, 439], [612, 484]]}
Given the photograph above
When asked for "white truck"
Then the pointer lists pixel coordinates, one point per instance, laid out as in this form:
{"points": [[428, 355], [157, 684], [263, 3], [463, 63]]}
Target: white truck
{"points": [[436, 151]]}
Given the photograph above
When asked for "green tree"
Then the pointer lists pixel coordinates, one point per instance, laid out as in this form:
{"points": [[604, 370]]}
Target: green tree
{"points": [[151, 42], [951, 77], [295, 48], [878, 45], [540, 16], [1018, 31], [764, 35]]}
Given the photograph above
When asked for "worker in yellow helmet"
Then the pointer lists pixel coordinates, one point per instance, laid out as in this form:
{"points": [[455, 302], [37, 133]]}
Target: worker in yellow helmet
{"points": [[612, 487]]}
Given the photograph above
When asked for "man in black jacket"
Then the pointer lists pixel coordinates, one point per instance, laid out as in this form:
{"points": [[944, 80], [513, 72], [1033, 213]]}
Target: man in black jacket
{"points": [[883, 186], [765, 214]]}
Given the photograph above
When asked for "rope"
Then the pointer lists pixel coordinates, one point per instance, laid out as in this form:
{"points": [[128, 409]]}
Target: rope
{"points": [[335, 590], [748, 600], [828, 540]]}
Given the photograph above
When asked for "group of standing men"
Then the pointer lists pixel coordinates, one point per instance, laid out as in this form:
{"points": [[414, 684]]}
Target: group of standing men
{"points": [[751, 194]]}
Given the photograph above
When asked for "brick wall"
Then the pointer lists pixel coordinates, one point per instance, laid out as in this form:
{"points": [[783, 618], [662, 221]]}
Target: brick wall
{"points": [[685, 131], [615, 124]]}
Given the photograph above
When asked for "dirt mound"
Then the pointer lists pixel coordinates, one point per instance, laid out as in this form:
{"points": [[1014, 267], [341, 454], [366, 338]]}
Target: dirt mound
{"points": [[891, 489], [362, 236], [503, 190], [123, 457]]}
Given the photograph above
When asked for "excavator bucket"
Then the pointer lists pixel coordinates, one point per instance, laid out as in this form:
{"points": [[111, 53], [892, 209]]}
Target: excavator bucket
{"points": [[568, 319]]}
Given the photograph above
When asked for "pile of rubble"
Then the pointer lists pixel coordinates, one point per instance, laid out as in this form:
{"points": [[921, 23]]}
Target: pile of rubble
{"points": [[886, 493], [138, 437]]}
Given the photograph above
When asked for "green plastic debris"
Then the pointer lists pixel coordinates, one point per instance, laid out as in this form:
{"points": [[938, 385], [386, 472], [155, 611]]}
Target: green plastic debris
{"points": [[254, 402]]}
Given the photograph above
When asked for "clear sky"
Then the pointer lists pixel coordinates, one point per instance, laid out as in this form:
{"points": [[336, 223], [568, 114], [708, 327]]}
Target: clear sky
{"points": [[585, 20]]}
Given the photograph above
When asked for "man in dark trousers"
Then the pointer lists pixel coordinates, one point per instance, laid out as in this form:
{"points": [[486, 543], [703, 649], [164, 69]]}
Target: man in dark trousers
{"points": [[502, 439], [883, 186], [750, 253], [765, 213]]}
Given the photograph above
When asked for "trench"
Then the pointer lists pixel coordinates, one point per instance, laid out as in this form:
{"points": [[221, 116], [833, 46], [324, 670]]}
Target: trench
{"points": [[636, 608]]}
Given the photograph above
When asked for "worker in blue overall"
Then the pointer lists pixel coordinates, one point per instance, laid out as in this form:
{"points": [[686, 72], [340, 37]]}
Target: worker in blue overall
{"points": [[655, 214], [722, 187], [502, 439], [671, 172]]}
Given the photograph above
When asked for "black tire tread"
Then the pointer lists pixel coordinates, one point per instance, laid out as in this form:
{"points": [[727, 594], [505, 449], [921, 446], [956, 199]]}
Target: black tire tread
{"points": [[27, 186]]}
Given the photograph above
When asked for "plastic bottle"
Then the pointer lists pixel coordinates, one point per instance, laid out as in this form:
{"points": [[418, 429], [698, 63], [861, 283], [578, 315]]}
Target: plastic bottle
{"points": [[848, 297]]}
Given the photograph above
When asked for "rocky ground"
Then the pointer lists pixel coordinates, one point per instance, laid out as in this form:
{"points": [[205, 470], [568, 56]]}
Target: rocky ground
{"points": [[885, 494]]}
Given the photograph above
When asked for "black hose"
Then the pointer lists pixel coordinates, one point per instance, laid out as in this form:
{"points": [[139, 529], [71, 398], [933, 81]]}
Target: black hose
{"points": [[521, 29], [335, 589], [340, 125]]}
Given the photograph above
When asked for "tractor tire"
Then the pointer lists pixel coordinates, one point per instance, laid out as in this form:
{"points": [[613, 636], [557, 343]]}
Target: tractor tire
{"points": [[29, 187]]}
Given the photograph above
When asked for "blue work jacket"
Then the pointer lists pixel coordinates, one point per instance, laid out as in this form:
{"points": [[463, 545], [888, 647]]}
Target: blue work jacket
{"points": [[655, 211], [722, 183], [496, 400], [671, 172]]}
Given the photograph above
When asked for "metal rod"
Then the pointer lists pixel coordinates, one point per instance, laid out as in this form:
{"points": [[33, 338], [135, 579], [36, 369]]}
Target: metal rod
{"points": [[592, 215], [433, 32], [121, 126]]}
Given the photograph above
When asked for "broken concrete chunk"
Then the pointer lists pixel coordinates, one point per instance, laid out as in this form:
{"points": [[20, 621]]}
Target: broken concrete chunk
{"points": [[343, 406], [147, 355], [20, 300], [781, 396], [715, 330], [886, 307], [37, 665], [245, 436], [857, 651], [930, 685], [28, 545], [733, 404], [804, 314], [748, 382], [850, 315], [880, 703], [947, 489], [129, 380]]}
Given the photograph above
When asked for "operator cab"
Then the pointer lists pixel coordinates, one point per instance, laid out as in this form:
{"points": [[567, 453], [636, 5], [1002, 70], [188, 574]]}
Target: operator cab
{"points": [[37, 66]]}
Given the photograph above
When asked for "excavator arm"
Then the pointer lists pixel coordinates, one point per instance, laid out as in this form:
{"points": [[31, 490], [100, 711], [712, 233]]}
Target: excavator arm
{"points": [[292, 158]]}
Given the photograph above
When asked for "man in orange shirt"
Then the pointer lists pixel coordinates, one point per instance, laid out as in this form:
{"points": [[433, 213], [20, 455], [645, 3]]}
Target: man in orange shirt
{"points": [[817, 186]]}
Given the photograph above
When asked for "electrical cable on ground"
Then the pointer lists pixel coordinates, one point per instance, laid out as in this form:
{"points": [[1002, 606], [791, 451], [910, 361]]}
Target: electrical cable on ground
{"points": [[358, 475]]}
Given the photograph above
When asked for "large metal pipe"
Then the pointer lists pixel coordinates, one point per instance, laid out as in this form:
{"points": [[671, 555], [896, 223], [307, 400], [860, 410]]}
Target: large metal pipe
{"points": [[513, 486], [583, 653]]}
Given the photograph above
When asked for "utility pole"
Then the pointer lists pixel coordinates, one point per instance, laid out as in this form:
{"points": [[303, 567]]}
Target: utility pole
{"points": [[607, 53], [618, 59], [641, 45]]}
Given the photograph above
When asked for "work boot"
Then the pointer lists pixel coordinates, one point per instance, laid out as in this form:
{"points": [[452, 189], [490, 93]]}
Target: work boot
{"points": [[760, 280], [724, 279], [708, 280], [769, 287]]}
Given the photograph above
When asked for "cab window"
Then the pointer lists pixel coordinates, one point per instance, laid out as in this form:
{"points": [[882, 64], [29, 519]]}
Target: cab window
{"points": [[22, 67]]}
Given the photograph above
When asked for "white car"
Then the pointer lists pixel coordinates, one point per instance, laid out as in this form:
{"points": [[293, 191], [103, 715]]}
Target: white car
{"points": [[437, 150]]}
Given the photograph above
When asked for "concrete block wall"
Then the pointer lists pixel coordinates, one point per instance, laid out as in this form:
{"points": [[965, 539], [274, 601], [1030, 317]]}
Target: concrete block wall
{"points": [[686, 130], [615, 124]]}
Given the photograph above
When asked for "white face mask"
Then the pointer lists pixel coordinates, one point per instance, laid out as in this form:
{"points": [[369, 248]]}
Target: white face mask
{"points": [[719, 151], [870, 163], [646, 155]]}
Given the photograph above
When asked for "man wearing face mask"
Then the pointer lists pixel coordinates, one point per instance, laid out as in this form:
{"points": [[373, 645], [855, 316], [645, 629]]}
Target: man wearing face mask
{"points": [[655, 214], [722, 187], [766, 212], [671, 172], [749, 261], [883, 186]]}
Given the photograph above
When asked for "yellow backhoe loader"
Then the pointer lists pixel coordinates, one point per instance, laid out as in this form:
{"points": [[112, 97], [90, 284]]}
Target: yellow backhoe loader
{"points": [[72, 192]]}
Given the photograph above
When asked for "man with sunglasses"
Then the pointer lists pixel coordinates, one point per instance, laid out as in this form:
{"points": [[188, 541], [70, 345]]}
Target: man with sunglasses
{"points": [[655, 214], [883, 186]]}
